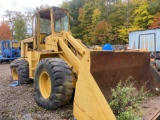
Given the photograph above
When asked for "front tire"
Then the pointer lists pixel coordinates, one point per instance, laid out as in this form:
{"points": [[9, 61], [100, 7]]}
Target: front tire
{"points": [[20, 71], [53, 83]]}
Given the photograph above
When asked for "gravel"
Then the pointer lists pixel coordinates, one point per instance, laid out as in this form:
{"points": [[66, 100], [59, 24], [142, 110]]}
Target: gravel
{"points": [[17, 103]]}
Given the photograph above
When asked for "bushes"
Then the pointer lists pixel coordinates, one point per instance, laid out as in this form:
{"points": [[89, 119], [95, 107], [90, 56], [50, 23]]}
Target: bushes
{"points": [[126, 100]]}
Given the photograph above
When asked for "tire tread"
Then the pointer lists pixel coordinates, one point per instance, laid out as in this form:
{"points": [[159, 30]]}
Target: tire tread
{"points": [[63, 86]]}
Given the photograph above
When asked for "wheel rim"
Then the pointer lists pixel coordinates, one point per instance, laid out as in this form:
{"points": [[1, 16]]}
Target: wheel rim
{"points": [[45, 85], [14, 74]]}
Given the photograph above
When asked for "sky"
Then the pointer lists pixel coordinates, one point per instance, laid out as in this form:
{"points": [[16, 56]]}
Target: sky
{"points": [[25, 5]]}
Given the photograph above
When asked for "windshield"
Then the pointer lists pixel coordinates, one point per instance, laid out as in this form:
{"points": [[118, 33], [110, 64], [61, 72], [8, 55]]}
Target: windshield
{"points": [[45, 26], [60, 21]]}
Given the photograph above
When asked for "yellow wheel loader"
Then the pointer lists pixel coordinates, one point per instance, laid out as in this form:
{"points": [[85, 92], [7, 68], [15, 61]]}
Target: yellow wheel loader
{"points": [[59, 63]]}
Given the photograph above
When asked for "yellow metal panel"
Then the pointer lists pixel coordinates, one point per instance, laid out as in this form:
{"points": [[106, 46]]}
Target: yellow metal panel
{"points": [[28, 40], [33, 58], [24, 46], [89, 102], [51, 43]]}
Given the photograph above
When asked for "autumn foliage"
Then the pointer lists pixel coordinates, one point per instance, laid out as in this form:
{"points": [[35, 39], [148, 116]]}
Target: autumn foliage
{"points": [[5, 32], [156, 21], [110, 21]]}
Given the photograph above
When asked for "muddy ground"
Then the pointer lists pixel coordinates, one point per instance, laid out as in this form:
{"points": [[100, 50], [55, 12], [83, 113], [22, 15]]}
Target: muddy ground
{"points": [[17, 103]]}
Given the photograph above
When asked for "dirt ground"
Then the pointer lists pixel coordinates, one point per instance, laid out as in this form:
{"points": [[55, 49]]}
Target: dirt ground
{"points": [[17, 103]]}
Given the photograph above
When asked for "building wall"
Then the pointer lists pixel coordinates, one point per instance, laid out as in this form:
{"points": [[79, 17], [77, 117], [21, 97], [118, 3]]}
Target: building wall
{"points": [[145, 39]]}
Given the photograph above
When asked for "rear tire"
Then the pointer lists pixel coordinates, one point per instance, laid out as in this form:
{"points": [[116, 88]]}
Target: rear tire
{"points": [[53, 83], [20, 71]]}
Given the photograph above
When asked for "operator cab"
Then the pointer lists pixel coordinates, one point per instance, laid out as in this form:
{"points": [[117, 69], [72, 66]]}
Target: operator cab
{"points": [[48, 22]]}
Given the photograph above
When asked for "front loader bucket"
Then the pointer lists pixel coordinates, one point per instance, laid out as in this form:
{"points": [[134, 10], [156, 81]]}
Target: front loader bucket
{"points": [[108, 68], [99, 71]]}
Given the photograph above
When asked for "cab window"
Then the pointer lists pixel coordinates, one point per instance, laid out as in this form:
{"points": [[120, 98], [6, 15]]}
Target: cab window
{"points": [[61, 22]]}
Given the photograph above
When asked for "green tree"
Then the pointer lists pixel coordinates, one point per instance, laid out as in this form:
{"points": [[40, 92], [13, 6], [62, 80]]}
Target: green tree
{"points": [[12, 16], [117, 19], [154, 6], [96, 16], [142, 17], [73, 7], [100, 29], [101, 33], [120, 16], [85, 19], [20, 29]]}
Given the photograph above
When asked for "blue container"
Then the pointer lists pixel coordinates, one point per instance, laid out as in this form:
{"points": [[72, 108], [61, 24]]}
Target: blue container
{"points": [[147, 39]]}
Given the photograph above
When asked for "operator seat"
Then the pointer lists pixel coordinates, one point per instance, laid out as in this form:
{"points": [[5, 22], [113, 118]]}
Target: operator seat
{"points": [[49, 32]]}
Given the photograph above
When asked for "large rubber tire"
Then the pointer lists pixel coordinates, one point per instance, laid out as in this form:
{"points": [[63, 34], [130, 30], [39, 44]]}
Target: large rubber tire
{"points": [[21, 68], [61, 86]]}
